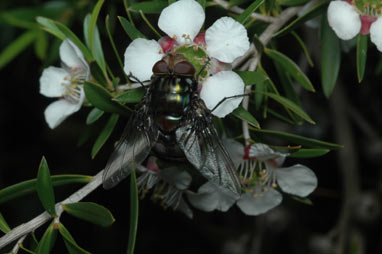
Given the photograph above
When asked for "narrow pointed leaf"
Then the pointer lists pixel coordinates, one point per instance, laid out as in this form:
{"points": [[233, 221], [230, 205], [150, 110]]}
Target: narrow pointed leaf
{"points": [[41, 44], [47, 241], [51, 27], [108, 31], [151, 7], [94, 115], [291, 67], [252, 77], [361, 56], [292, 2], [45, 188], [243, 114], [291, 106], [102, 99], [315, 11], [131, 31], [4, 225], [331, 57], [247, 13], [27, 187], [134, 211], [309, 153], [304, 48], [94, 37], [105, 134], [16, 47], [91, 212], [70, 243], [296, 139], [131, 96]]}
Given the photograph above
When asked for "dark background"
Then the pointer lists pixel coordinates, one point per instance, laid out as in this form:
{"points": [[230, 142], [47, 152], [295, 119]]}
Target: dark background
{"points": [[346, 204]]}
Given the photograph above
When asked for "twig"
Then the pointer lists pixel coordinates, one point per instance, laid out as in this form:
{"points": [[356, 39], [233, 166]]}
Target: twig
{"points": [[40, 220], [238, 10]]}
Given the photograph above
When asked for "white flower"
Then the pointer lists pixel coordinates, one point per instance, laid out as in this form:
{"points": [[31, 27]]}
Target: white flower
{"points": [[223, 42], [168, 185], [65, 83], [347, 21], [261, 174]]}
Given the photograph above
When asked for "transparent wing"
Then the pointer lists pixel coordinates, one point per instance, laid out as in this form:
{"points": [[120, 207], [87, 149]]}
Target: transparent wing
{"points": [[198, 139], [136, 142]]}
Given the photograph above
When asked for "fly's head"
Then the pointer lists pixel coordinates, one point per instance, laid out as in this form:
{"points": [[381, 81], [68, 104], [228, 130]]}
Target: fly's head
{"points": [[174, 65]]}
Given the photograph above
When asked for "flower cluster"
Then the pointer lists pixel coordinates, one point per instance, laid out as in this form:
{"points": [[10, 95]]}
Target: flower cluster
{"points": [[65, 83], [220, 44], [351, 17]]}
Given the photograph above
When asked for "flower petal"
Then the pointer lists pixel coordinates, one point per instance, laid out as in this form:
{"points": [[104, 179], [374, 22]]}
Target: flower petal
{"points": [[235, 150], [226, 40], [263, 152], [53, 81], [72, 56], [58, 111], [297, 180], [182, 20], [344, 19], [219, 86], [140, 57], [210, 197], [376, 33], [251, 205]]}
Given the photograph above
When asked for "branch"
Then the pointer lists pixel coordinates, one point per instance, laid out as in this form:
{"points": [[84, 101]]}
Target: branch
{"points": [[40, 220]]}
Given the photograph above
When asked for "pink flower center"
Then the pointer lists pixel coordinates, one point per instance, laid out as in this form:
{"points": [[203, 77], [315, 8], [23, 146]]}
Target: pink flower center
{"points": [[152, 164], [366, 23], [167, 43], [200, 39]]}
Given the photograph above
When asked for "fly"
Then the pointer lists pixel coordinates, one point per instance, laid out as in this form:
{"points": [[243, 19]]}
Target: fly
{"points": [[173, 122]]}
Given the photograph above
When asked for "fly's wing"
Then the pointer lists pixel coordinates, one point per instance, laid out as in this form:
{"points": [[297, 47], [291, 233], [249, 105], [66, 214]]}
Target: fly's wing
{"points": [[198, 139], [136, 142]]}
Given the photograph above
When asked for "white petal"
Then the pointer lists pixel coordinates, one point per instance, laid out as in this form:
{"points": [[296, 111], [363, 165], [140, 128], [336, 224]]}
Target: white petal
{"points": [[58, 111], [184, 17], [220, 86], [255, 206], [226, 40], [263, 152], [53, 81], [296, 180], [210, 197], [71, 55], [344, 19], [376, 33], [140, 57], [176, 177], [183, 207]]}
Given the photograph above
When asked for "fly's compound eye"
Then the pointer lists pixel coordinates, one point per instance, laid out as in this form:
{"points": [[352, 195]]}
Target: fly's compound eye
{"points": [[184, 68], [160, 68]]}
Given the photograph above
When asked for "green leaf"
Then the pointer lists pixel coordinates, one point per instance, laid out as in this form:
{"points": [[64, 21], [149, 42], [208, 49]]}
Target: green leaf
{"points": [[315, 11], [309, 153], [243, 114], [296, 139], [292, 2], [16, 47], [361, 56], [290, 105], [51, 27], [27, 187], [248, 12], [150, 7], [305, 200], [252, 77], [94, 115], [131, 31], [45, 188], [102, 99], [108, 31], [331, 57], [105, 134], [131, 95], [70, 243], [134, 211], [304, 48], [98, 74], [291, 67], [41, 44], [91, 212], [94, 37], [4, 225], [47, 241]]}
